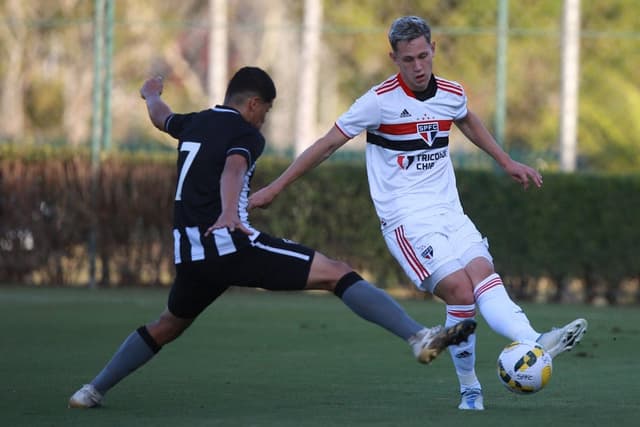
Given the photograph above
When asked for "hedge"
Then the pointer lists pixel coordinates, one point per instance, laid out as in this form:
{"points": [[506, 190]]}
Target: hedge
{"points": [[577, 229]]}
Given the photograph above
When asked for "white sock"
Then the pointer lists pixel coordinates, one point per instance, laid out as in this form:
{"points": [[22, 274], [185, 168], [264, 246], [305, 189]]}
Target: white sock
{"points": [[502, 314], [463, 355]]}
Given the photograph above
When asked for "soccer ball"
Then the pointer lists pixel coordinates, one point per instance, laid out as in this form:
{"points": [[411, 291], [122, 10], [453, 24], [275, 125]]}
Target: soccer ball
{"points": [[524, 367]]}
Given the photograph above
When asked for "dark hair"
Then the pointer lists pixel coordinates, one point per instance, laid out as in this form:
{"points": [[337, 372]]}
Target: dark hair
{"points": [[250, 81], [407, 28]]}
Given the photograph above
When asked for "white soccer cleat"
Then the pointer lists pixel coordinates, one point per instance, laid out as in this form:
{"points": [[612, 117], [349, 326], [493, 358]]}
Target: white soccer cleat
{"points": [[563, 339], [471, 400], [430, 342], [86, 397]]}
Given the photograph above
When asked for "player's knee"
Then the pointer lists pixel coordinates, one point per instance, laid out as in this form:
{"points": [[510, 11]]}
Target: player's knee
{"points": [[342, 268], [326, 273], [167, 328], [456, 294], [462, 296]]}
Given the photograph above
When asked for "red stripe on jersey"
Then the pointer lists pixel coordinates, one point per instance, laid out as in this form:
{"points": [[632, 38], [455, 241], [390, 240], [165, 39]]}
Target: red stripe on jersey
{"points": [[410, 255], [411, 128], [496, 281], [449, 83], [462, 314], [448, 86], [450, 90], [387, 87], [389, 81]]}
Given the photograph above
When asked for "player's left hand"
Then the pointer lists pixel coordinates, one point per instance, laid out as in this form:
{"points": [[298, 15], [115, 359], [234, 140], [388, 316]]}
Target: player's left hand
{"points": [[262, 198], [230, 222], [523, 174]]}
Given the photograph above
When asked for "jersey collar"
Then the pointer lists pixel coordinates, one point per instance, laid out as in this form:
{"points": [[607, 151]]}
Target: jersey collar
{"points": [[429, 92], [226, 108]]}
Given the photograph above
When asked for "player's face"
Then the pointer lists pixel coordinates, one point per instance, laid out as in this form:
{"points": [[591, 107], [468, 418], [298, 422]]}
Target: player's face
{"points": [[414, 58]]}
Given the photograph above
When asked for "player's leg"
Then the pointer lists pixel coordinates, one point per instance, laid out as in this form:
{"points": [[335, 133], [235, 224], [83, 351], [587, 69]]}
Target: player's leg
{"points": [[476, 286], [136, 350], [423, 250], [291, 266], [186, 301], [509, 320], [428, 250], [375, 305], [492, 301], [502, 314], [364, 299], [456, 290]]}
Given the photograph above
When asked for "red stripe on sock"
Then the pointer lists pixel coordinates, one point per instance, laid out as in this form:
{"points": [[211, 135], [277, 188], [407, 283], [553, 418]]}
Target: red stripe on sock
{"points": [[496, 281]]}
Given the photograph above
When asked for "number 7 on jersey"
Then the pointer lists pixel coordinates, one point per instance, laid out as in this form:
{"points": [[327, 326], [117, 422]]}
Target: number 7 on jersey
{"points": [[192, 149]]}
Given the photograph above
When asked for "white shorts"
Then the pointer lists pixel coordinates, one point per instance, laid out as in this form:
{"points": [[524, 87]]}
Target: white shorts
{"points": [[429, 249]]}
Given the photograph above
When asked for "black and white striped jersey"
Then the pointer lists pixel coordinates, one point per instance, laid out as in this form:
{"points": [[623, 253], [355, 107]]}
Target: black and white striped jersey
{"points": [[206, 138]]}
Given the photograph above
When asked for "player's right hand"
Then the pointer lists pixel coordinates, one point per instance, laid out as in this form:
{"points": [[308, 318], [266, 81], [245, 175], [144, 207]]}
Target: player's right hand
{"points": [[230, 222]]}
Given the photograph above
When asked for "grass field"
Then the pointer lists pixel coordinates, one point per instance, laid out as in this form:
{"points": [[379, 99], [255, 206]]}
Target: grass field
{"points": [[266, 359]]}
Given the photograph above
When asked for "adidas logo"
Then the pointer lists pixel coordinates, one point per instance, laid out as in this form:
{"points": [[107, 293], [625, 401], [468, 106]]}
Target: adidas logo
{"points": [[405, 113]]}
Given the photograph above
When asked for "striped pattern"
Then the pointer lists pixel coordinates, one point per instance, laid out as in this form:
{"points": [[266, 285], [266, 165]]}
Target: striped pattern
{"points": [[410, 128], [410, 255], [461, 311], [282, 251], [388, 85], [190, 244], [487, 284], [449, 86]]}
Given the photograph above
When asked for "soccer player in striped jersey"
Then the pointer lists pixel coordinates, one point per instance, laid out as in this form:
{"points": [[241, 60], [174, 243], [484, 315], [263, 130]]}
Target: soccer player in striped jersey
{"points": [[407, 120], [216, 247]]}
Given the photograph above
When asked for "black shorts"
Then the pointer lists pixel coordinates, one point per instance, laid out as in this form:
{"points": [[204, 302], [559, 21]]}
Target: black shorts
{"points": [[270, 263]]}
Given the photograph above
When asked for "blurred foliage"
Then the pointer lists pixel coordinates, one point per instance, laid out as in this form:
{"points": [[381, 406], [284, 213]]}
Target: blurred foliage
{"points": [[577, 227], [43, 100], [46, 84]]}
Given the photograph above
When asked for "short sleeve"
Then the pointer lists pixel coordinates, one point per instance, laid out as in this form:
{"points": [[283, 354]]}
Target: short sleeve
{"points": [[247, 144], [461, 107], [175, 123], [363, 114]]}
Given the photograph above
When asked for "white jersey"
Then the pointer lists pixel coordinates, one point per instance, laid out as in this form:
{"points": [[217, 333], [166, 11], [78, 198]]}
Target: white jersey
{"points": [[407, 155]]}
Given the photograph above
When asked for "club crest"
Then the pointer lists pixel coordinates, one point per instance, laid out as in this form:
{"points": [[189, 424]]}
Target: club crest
{"points": [[427, 253], [428, 131]]}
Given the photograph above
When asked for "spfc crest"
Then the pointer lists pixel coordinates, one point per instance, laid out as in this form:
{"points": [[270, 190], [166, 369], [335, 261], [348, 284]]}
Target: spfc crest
{"points": [[428, 131], [427, 253]]}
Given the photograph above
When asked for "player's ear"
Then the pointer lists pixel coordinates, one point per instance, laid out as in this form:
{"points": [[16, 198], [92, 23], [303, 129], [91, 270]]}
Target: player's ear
{"points": [[254, 102]]}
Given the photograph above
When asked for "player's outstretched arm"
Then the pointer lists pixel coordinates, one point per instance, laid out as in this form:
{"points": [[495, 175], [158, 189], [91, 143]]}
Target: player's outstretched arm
{"points": [[158, 110], [473, 128], [318, 152]]}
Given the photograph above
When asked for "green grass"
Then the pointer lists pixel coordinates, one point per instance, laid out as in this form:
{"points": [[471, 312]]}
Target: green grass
{"points": [[274, 359]]}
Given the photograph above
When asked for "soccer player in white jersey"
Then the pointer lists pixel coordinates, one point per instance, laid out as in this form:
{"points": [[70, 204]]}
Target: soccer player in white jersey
{"points": [[407, 120]]}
